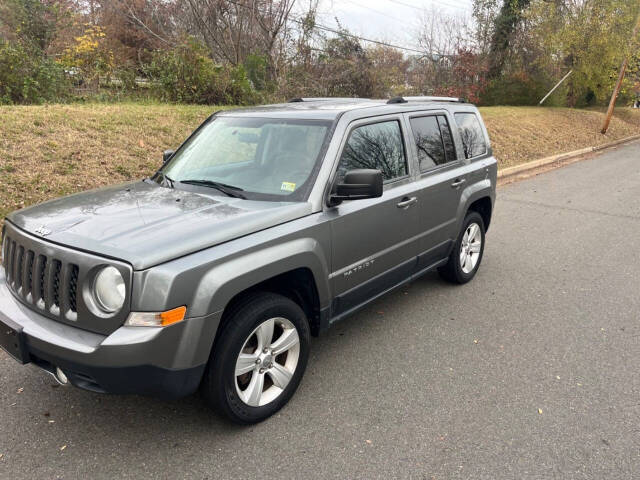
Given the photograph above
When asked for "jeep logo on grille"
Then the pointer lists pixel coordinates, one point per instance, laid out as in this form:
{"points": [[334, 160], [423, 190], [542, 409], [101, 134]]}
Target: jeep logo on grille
{"points": [[43, 231]]}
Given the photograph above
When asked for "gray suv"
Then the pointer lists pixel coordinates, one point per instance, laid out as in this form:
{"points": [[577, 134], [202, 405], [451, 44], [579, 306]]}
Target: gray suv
{"points": [[266, 226]]}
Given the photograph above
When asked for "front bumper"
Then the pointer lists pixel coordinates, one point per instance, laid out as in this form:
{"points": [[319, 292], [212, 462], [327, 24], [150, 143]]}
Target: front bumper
{"points": [[164, 362]]}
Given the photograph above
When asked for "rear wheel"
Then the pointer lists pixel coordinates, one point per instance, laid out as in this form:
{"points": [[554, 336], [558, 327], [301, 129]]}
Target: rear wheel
{"points": [[467, 252], [259, 359]]}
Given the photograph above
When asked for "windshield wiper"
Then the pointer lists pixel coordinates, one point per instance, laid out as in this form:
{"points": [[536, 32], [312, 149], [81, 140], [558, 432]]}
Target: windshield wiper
{"points": [[229, 190]]}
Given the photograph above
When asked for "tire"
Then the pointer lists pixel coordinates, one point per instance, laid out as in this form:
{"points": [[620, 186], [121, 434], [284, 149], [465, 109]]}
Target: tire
{"points": [[242, 398], [456, 272]]}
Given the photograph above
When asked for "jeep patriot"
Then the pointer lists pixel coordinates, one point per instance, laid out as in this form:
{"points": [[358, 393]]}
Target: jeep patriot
{"points": [[266, 226]]}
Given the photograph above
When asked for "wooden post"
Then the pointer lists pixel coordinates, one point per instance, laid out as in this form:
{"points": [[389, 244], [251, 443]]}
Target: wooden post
{"points": [[616, 90]]}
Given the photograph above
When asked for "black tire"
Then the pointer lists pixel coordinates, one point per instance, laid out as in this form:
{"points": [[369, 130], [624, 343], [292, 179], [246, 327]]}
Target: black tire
{"points": [[452, 271], [219, 383]]}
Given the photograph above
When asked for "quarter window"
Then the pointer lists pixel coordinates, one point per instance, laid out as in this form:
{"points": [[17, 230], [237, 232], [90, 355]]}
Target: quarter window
{"points": [[377, 146], [433, 141], [472, 135]]}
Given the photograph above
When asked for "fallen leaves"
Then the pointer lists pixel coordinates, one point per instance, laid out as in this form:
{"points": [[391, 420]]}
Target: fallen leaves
{"points": [[63, 448], [539, 411]]}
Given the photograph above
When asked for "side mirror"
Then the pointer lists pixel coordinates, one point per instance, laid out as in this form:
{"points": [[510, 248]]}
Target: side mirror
{"points": [[358, 185], [166, 155]]}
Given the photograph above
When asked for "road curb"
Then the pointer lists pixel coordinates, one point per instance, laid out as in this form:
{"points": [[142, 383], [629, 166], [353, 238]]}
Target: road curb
{"points": [[558, 160]]}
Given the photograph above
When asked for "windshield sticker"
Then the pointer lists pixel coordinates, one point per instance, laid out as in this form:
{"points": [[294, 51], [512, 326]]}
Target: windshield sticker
{"points": [[288, 187]]}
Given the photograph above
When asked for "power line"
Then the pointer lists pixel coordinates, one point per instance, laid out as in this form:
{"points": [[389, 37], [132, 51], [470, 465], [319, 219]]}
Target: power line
{"points": [[421, 9], [379, 12], [319, 26], [377, 42]]}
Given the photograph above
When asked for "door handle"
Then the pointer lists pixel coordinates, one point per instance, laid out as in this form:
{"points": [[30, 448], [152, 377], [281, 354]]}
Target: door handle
{"points": [[458, 182], [407, 202]]}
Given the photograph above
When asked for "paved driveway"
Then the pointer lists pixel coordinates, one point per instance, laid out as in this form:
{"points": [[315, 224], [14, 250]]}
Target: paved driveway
{"points": [[531, 371]]}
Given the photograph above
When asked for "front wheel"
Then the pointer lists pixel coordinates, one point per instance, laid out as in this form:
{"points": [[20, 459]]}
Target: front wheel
{"points": [[467, 252], [259, 359]]}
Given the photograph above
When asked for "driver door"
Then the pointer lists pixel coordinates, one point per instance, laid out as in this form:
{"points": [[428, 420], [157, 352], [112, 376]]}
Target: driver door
{"points": [[375, 242]]}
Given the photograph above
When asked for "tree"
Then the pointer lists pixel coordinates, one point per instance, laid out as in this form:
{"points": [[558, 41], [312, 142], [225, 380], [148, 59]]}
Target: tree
{"points": [[235, 29], [591, 38], [505, 24]]}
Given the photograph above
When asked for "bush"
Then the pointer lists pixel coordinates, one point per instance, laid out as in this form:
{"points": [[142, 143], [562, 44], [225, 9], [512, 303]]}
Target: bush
{"points": [[27, 76], [186, 74], [521, 89]]}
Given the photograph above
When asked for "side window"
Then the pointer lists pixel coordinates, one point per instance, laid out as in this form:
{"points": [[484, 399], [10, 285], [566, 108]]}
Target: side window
{"points": [[426, 133], [433, 141], [378, 146], [472, 134]]}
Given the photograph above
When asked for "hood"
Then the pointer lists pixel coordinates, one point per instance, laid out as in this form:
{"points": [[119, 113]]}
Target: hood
{"points": [[145, 224]]}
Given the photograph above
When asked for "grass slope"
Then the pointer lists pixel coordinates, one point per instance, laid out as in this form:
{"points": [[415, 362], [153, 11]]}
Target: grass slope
{"points": [[48, 151], [522, 134]]}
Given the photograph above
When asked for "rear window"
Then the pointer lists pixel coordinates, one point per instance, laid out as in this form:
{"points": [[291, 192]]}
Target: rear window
{"points": [[471, 134], [433, 141]]}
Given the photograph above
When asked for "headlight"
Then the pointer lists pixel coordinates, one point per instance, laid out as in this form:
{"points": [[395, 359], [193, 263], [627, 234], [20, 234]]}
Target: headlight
{"points": [[109, 290]]}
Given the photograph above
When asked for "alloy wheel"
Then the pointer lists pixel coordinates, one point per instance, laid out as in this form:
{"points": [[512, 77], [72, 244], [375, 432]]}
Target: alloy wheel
{"points": [[470, 248], [267, 361]]}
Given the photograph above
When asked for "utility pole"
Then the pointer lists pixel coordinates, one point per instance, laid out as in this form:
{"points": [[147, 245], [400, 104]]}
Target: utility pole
{"points": [[616, 91]]}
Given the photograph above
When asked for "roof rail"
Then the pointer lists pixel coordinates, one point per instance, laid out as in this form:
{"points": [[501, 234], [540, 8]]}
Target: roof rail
{"points": [[397, 100], [325, 99], [425, 99]]}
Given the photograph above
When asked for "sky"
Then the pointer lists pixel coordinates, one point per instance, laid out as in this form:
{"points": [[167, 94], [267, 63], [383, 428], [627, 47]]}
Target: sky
{"points": [[393, 21]]}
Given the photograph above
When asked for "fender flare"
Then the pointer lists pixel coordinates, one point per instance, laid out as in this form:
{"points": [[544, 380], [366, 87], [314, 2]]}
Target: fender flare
{"points": [[476, 191], [220, 284]]}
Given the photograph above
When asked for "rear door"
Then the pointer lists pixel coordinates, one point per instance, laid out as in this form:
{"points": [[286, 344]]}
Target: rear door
{"points": [[375, 242], [440, 180]]}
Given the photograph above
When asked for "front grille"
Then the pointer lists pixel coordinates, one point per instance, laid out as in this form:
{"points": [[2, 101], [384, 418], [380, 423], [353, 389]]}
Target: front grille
{"points": [[52, 279], [49, 284]]}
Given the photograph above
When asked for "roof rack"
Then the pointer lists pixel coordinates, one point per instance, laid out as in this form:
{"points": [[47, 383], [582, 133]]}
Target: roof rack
{"points": [[325, 99], [426, 99]]}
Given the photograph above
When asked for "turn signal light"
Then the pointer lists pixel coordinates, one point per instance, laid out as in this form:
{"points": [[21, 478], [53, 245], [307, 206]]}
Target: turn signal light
{"points": [[173, 316], [161, 319]]}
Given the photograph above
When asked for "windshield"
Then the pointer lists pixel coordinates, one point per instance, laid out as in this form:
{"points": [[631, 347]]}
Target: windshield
{"points": [[265, 159]]}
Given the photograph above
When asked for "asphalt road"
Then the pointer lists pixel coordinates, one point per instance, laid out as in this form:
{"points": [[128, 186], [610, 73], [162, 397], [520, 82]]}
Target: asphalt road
{"points": [[530, 371]]}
